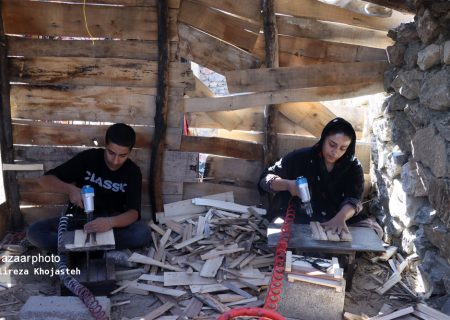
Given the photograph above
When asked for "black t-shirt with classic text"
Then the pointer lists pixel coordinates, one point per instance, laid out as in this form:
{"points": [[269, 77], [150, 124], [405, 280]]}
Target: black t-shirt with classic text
{"points": [[115, 191]]}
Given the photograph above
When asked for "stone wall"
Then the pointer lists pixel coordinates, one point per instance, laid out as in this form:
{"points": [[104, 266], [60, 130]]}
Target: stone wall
{"points": [[213, 80], [411, 143]]}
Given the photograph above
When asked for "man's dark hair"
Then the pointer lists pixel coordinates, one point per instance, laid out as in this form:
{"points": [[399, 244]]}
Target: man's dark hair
{"points": [[121, 134]]}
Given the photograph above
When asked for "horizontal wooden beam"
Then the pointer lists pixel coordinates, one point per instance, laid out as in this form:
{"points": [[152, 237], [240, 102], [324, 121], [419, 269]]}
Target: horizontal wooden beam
{"points": [[327, 12], [95, 71], [235, 102], [172, 4], [22, 167], [324, 51], [335, 32], [249, 9], [26, 17], [222, 147], [34, 133], [132, 105], [322, 75], [127, 49]]}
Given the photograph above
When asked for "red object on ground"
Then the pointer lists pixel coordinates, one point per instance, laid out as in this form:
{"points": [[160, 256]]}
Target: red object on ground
{"points": [[251, 312]]}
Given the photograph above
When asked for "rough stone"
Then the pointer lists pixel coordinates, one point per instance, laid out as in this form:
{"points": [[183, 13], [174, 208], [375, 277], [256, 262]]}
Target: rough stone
{"points": [[446, 307], [404, 33], [408, 83], [430, 149], [395, 102], [429, 57], [397, 204], [435, 91], [311, 301], [406, 209], [421, 243], [402, 132], [395, 54], [443, 126], [374, 149], [425, 213], [417, 114], [411, 52], [437, 268], [439, 195], [382, 200], [396, 159], [393, 227], [382, 129], [59, 308], [413, 184], [446, 53], [408, 236], [383, 157], [388, 77], [427, 27], [439, 236]]}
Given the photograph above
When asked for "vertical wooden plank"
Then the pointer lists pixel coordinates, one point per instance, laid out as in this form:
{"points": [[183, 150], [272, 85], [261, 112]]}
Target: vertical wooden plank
{"points": [[162, 99], [14, 217], [271, 61]]}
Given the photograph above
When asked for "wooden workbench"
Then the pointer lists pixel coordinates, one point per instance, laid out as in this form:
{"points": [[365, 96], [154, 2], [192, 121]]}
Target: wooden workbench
{"points": [[364, 240]]}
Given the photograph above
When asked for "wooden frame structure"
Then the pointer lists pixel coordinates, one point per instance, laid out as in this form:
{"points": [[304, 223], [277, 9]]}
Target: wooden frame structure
{"points": [[65, 87]]}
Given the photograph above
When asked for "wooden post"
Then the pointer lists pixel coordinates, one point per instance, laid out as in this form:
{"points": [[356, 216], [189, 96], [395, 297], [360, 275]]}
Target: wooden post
{"points": [[271, 61], [14, 218], [162, 98]]}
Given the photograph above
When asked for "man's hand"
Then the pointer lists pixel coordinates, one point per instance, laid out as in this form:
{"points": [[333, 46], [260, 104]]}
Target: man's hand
{"points": [[98, 225], [75, 196], [335, 225]]}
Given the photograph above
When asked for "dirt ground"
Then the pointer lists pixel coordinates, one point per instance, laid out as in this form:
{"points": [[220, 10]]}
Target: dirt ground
{"points": [[361, 300]]}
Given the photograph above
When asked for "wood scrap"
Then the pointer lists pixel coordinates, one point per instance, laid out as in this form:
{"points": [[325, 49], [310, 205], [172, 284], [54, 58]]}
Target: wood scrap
{"points": [[318, 233], [431, 312], [392, 281], [390, 251], [212, 302], [211, 266], [395, 314], [215, 250], [158, 311], [337, 284], [139, 258], [229, 206]]}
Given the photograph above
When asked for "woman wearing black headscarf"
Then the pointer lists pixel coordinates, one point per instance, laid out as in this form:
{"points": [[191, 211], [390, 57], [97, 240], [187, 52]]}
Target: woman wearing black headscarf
{"points": [[335, 178]]}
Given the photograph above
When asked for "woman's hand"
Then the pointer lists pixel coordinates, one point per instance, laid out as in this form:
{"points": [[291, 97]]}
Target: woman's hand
{"points": [[292, 188], [280, 184], [98, 225], [336, 225]]}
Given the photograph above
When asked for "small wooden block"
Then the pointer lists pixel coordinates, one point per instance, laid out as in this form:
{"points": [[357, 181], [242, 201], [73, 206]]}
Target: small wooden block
{"points": [[332, 236], [346, 236], [337, 284], [288, 261]]}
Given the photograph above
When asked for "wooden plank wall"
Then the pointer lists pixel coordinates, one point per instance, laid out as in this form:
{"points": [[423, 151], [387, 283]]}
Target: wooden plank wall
{"points": [[325, 52], [66, 89]]}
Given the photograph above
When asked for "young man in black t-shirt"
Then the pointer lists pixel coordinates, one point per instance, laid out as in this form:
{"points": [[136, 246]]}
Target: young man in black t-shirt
{"points": [[117, 185]]}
